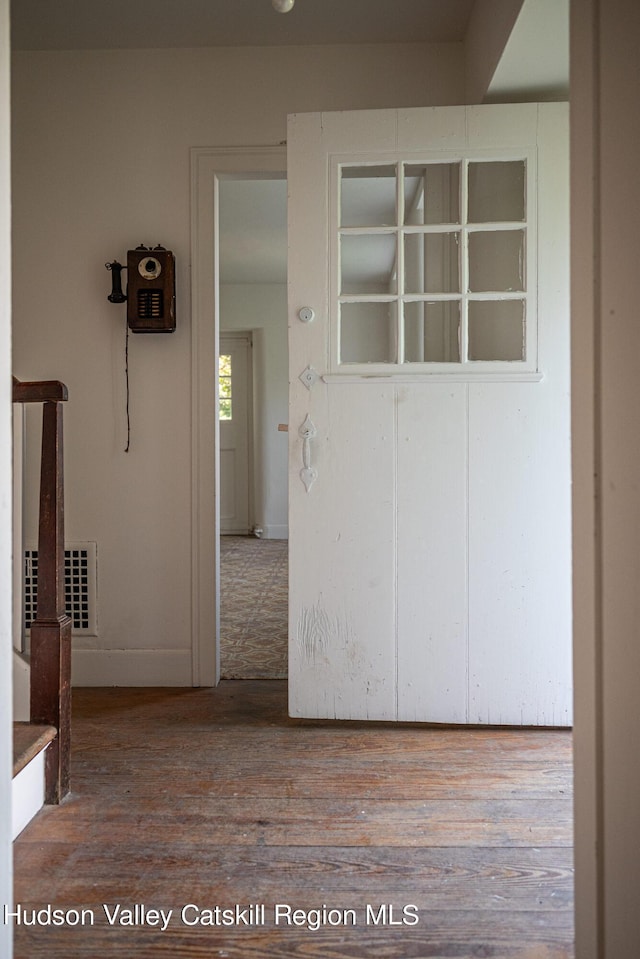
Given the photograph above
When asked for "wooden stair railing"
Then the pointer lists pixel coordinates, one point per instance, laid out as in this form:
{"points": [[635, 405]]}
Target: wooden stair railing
{"points": [[51, 629]]}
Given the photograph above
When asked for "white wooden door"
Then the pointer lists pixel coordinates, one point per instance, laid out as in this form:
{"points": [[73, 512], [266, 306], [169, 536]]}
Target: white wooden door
{"points": [[234, 413], [429, 415]]}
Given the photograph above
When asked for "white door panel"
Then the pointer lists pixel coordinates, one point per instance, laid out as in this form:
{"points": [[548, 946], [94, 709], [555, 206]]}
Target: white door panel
{"points": [[430, 564], [519, 655], [343, 630], [432, 568]]}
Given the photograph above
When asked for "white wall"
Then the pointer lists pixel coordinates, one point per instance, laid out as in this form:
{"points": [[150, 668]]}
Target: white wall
{"points": [[101, 164], [6, 893], [490, 26], [262, 308], [535, 61]]}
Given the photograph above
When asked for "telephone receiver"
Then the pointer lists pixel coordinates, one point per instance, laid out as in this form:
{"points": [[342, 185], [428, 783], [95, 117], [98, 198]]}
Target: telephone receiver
{"points": [[151, 289], [116, 295]]}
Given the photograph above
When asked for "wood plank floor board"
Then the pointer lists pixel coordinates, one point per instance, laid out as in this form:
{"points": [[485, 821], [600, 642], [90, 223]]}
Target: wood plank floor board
{"points": [[548, 869], [309, 779], [376, 743], [215, 797], [224, 724], [436, 883], [551, 876], [379, 745], [442, 937], [296, 822], [441, 894]]}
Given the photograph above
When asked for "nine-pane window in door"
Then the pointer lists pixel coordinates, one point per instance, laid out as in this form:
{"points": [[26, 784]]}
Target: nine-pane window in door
{"points": [[430, 264], [224, 387]]}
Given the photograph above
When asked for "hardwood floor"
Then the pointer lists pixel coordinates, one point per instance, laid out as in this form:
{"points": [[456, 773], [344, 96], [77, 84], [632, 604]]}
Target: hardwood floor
{"points": [[216, 798]]}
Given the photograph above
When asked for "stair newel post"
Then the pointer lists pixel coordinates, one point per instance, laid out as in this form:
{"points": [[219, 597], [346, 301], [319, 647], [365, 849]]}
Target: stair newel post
{"points": [[51, 630]]}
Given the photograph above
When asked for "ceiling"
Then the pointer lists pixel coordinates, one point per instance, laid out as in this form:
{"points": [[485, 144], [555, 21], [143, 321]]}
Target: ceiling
{"points": [[253, 239], [131, 24], [253, 214]]}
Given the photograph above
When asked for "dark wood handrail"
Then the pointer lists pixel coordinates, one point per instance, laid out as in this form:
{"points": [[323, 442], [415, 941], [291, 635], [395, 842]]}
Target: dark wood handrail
{"points": [[42, 391], [51, 629]]}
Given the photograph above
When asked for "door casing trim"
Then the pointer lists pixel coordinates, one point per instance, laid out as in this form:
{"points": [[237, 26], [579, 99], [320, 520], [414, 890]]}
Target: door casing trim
{"points": [[208, 166]]}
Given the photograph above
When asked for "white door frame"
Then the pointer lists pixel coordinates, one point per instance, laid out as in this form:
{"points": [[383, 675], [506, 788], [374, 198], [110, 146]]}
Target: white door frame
{"points": [[208, 166]]}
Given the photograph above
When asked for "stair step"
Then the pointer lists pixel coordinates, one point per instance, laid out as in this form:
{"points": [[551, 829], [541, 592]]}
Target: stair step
{"points": [[28, 741], [27, 789]]}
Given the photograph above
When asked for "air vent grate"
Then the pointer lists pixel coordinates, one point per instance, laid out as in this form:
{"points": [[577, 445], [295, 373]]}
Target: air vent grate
{"points": [[79, 587]]}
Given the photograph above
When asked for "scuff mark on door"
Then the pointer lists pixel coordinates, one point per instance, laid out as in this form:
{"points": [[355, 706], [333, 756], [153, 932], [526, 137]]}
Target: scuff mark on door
{"points": [[316, 632]]}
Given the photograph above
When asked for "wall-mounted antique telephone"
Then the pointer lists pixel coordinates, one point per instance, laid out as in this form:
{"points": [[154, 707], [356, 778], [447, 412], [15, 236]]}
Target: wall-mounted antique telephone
{"points": [[150, 297], [151, 289]]}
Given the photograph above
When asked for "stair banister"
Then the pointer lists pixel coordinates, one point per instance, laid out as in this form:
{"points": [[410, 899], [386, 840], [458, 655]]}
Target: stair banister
{"points": [[51, 629]]}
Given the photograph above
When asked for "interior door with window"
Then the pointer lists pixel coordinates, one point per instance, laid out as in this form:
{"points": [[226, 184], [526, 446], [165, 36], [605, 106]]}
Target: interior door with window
{"points": [[429, 415], [234, 414]]}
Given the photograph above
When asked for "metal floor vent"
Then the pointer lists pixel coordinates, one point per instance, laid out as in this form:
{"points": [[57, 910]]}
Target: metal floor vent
{"points": [[79, 587]]}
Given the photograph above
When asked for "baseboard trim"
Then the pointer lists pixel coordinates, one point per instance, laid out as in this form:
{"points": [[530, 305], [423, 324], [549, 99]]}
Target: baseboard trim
{"points": [[131, 667]]}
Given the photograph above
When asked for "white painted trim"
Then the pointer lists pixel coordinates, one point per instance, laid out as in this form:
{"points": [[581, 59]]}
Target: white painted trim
{"points": [[27, 793], [208, 165], [131, 667], [468, 153], [462, 377]]}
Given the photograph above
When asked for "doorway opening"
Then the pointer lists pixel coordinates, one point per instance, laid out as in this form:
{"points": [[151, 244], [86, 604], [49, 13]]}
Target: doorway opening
{"points": [[252, 405], [211, 168], [212, 171]]}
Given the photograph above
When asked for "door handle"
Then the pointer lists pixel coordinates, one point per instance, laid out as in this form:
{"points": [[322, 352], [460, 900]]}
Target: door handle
{"points": [[308, 474]]}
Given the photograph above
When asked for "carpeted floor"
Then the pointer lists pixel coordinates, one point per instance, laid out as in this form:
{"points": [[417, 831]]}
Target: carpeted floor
{"points": [[253, 608]]}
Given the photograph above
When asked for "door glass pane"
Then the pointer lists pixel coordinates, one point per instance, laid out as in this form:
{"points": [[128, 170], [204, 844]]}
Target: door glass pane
{"points": [[368, 333], [432, 193], [431, 263], [368, 263], [432, 332], [496, 330], [224, 386], [496, 261], [368, 196], [496, 191], [462, 226]]}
